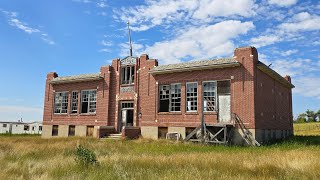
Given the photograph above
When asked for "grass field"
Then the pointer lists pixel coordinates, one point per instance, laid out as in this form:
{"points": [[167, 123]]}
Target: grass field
{"points": [[307, 129], [35, 158]]}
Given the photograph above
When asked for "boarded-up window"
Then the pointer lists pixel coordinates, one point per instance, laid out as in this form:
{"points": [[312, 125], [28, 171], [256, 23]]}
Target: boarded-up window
{"points": [[55, 129], [223, 87], [90, 130], [72, 130]]}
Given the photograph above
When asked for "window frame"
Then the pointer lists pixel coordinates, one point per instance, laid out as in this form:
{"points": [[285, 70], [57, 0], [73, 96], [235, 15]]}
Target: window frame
{"points": [[61, 104], [170, 97], [81, 101], [186, 98], [72, 101], [170, 105], [124, 74], [215, 96]]}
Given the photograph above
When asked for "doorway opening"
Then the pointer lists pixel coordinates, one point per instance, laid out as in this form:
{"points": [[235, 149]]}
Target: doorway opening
{"points": [[127, 114]]}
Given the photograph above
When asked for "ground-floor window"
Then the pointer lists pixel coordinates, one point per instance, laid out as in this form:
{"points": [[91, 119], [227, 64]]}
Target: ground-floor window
{"points": [[72, 130], [164, 98], [88, 101], [40, 128], [61, 103], [209, 96], [55, 129]]}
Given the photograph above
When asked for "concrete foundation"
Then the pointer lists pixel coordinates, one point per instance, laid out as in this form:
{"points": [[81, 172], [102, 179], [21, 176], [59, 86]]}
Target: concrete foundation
{"points": [[81, 131], [149, 132], [63, 131], [46, 131]]}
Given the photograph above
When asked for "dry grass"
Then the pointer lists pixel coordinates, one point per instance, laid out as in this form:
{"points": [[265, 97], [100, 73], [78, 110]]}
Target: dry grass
{"points": [[36, 158], [307, 129]]}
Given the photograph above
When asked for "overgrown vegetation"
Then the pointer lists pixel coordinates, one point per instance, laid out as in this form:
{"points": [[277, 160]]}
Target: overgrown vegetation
{"points": [[36, 158], [85, 156]]}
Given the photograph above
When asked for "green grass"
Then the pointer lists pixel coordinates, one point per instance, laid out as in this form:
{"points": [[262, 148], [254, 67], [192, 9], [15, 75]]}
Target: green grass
{"points": [[31, 157], [307, 129]]}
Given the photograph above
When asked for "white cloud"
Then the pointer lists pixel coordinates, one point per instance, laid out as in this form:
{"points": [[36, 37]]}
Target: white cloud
{"points": [[137, 49], [289, 52], [82, 1], [283, 3], [162, 12], [264, 40], [221, 8], [302, 22], [105, 50], [200, 42], [102, 4], [15, 22], [106, 43]]}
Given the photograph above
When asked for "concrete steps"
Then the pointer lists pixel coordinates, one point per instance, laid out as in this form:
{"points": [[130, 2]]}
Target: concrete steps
{"points": [[114, 136]]}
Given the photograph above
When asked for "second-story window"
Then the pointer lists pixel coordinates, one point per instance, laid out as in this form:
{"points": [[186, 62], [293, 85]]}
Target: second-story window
{"points": [[127, 75], [61, 103]]}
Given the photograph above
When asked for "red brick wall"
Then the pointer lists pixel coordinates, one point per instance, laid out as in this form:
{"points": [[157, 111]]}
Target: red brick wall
{"points": [[242, 93], [273, 104], [100, 118]]}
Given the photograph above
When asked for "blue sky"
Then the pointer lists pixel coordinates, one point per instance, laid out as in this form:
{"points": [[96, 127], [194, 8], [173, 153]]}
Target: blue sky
{"points": [[78, 36]]}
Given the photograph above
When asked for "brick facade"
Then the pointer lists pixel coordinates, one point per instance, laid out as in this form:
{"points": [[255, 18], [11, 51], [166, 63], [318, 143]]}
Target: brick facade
{"points": [[261, 101]]}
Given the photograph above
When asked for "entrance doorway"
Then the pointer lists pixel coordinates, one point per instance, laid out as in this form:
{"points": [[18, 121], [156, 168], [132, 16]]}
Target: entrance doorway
{"points": [[127, 113]]}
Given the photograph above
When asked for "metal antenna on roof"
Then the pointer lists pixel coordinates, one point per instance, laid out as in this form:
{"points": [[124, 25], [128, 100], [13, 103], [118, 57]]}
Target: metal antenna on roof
{"points": [[129, 38]]}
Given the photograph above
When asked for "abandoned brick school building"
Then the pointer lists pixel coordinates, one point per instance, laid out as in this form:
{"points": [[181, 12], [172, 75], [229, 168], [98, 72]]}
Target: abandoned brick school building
{"points": [[136, 96]]}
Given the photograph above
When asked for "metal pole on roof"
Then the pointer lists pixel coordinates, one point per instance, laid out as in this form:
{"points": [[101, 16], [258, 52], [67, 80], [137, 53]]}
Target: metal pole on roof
{"points": [[129, 34]]}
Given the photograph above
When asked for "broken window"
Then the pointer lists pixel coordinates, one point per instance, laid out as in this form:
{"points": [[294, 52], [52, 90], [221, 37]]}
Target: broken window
{"points": [[175, 97], [4, 125], [55, 130], [127, 75], [209, 96], [74, 102], [192, 96], [164, 98], [88, 101], [61, 103], [26, 128], [40, 128], [72, 130]]}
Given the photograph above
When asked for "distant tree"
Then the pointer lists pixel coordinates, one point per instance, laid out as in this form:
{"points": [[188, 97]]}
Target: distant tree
{"points": [[301, 118], [312, 116]]}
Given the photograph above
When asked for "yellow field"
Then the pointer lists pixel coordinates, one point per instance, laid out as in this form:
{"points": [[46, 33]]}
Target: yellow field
{"points": [[307, 129], [36, 158]]}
